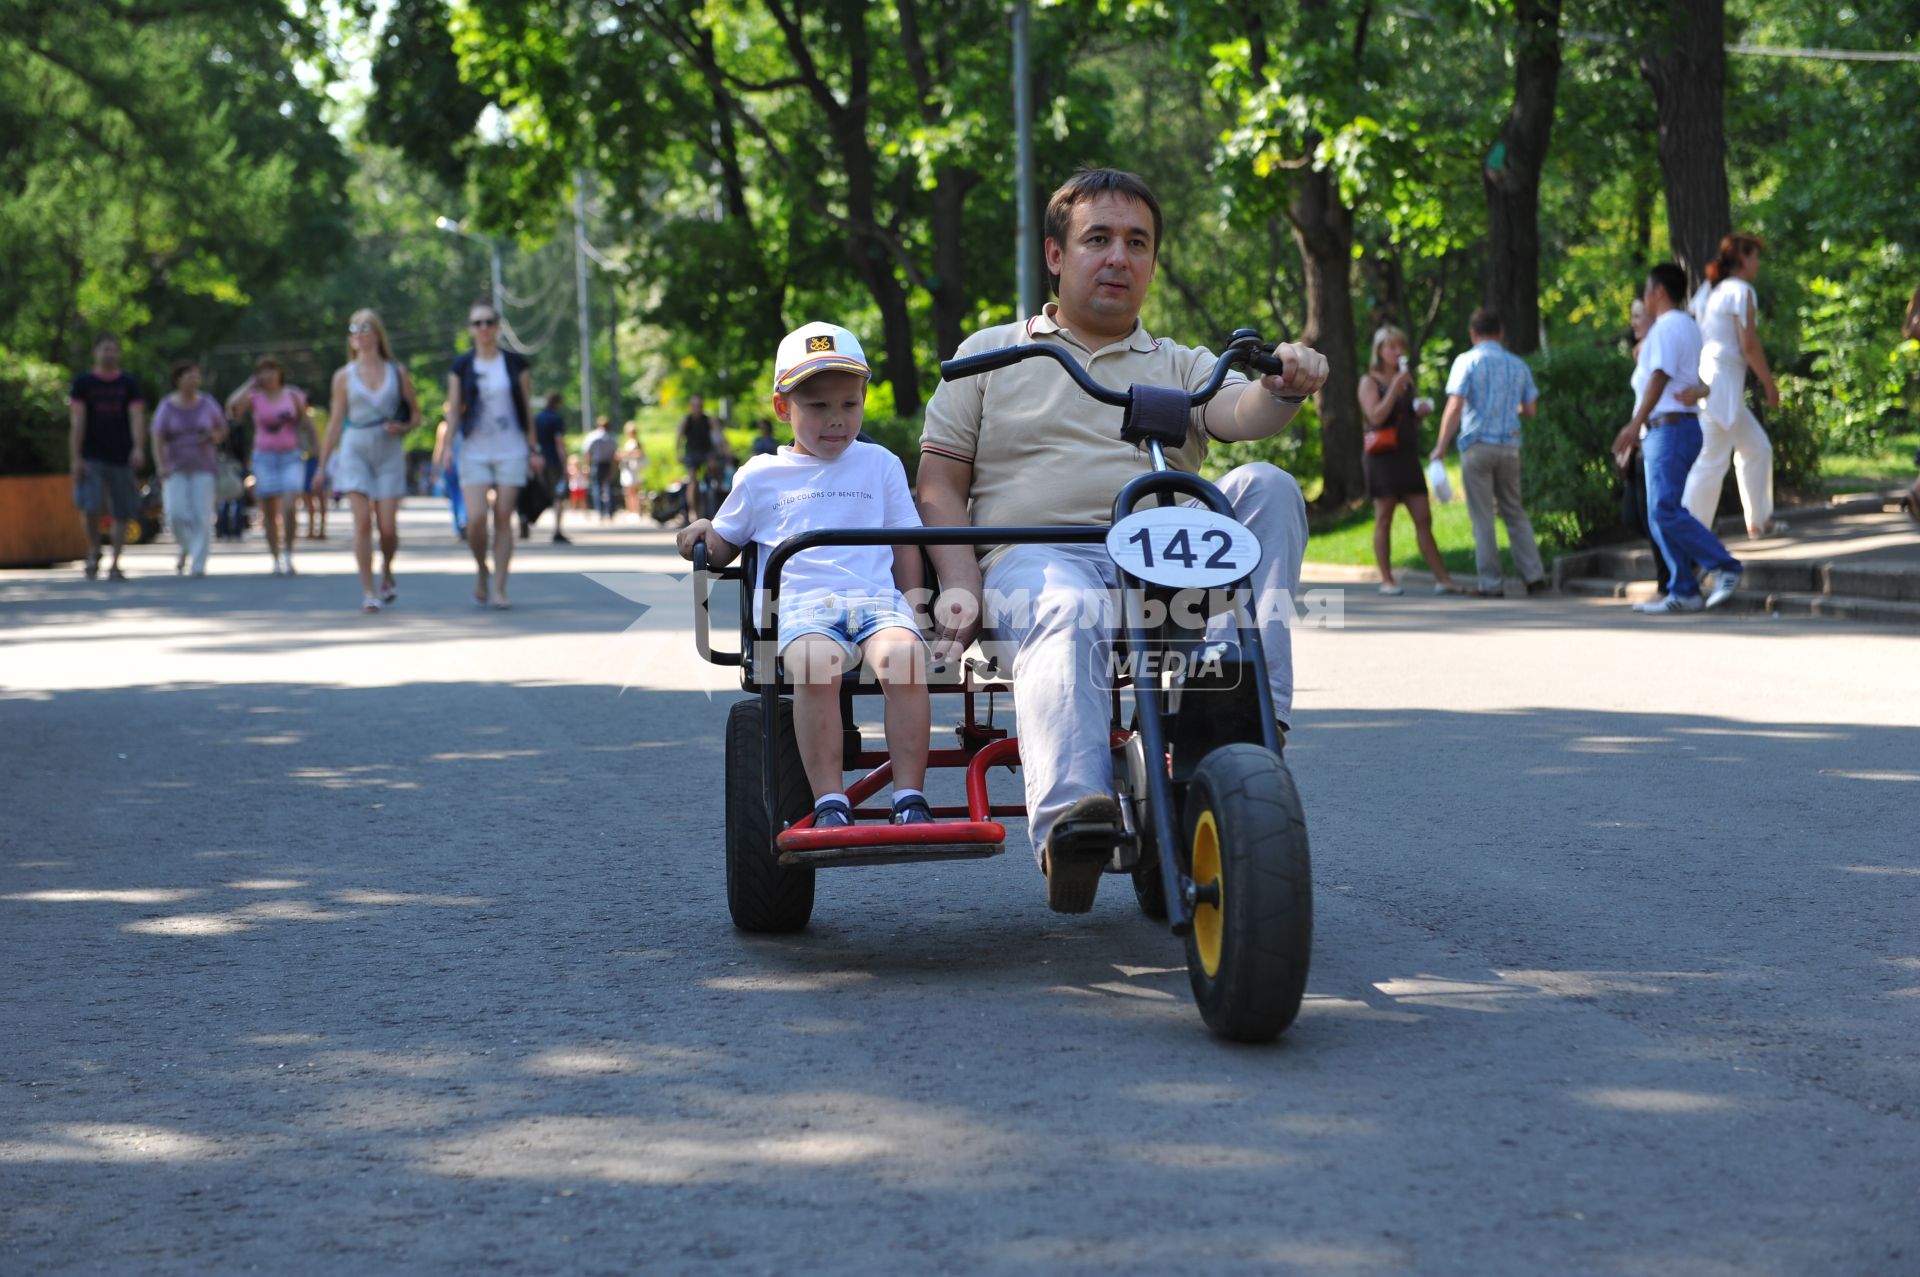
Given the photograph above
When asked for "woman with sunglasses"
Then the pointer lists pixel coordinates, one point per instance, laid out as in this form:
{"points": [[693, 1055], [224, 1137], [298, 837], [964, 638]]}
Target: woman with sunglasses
{"points": [[488, 393], [366, 426]]}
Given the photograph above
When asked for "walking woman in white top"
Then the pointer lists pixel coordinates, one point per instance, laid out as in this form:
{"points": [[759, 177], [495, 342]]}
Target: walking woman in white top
{"points": [[1728, 313], [489, 398], [367, 427]]}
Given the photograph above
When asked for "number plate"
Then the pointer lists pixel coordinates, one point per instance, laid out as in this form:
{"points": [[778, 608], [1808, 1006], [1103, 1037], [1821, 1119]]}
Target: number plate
{"points": [[1183, 547]]}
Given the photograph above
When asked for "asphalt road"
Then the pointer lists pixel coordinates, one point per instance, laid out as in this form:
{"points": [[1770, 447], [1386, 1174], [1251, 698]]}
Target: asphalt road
{"points": [[378, 944]]}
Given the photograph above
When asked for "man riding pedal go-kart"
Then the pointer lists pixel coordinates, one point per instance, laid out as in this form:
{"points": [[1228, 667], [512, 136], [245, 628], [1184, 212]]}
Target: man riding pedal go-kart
{"points": [[1030, 452]]}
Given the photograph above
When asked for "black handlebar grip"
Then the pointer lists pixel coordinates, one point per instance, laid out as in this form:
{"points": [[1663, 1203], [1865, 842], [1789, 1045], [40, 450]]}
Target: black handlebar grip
{"points": [[985, 361]]}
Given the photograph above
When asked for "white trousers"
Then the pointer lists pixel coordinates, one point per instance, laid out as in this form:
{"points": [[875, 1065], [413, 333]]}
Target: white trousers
{"points": [[1744, 445], [1040, 599], [188, 498]]}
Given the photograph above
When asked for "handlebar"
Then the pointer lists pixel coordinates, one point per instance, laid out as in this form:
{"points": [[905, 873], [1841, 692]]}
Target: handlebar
{"points": [[1243, 347]]}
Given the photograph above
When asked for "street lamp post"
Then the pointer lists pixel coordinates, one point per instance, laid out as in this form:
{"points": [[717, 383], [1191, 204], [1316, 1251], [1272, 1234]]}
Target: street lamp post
{"points": [[580, 291], [1027, 291], [493, 251]]}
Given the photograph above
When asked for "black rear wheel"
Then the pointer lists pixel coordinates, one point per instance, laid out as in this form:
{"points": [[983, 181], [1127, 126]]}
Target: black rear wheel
{"points": [[1149, 888], [1248, 951], [762, 894]]}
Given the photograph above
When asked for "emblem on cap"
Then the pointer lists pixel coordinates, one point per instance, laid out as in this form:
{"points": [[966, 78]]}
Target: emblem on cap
{"points": [[819, 344]]}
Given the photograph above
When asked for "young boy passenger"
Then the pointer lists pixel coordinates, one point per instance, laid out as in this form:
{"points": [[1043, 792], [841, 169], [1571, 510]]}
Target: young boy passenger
{"points": [[838, 604]]}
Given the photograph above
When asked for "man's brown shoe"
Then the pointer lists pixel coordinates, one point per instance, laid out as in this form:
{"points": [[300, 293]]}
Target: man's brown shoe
{"points": [[1078, 849]]}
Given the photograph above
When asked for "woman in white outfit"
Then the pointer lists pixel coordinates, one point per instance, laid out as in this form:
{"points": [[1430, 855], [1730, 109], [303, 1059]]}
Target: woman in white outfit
{"points": [[365, 442], [489, 397], [1728, 313]]}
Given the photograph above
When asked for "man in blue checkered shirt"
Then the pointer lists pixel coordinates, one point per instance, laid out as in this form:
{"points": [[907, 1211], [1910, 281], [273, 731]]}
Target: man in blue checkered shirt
{"points": [[1488, 391]]}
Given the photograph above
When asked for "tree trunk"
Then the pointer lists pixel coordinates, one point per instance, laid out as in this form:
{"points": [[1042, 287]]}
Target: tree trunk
{"points": [[1511, 175], [950, 182], [949, 260], [868, 250], [1323, 231], [1687, 69]]}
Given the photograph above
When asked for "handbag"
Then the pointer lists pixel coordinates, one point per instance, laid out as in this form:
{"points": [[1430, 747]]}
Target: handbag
{"points": [[403, 411], [536, 497], [1385, 439], [230, 482]]}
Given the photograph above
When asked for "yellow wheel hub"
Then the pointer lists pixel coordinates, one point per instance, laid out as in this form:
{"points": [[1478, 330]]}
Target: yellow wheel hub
{"points": [[1209, 924]]}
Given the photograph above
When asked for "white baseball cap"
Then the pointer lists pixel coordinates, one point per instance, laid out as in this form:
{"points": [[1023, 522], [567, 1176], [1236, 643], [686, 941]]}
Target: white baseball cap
{"points": [[813, 348]]}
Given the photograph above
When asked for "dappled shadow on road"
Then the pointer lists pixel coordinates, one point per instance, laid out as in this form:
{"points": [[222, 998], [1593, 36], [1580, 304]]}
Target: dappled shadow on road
{"points": [[454, 959]]}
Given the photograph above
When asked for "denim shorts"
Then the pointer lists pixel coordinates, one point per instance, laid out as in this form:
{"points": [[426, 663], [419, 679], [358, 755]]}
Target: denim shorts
{"points": [[107, 488], [850, 621], [277, 474]]}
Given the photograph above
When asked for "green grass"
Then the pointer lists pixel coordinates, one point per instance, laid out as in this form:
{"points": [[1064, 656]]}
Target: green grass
{"points": [[1888, 466], [1349, 539]]}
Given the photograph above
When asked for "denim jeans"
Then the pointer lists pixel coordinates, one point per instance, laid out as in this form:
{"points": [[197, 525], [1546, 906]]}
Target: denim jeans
{"points": [[1687, 545], [456, 500], [603, 489]]}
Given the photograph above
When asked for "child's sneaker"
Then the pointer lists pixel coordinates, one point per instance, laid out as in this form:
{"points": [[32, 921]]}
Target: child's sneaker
{"points": [[832, 814], [912, 810]]}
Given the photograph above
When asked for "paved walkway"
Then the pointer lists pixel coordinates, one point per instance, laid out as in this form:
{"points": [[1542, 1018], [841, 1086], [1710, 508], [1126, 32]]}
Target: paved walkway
{"points": [[397, 943]]}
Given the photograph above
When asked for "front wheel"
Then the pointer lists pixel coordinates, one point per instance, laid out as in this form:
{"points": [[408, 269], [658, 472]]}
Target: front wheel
{"points": [[1252, 935], [762, 894]]}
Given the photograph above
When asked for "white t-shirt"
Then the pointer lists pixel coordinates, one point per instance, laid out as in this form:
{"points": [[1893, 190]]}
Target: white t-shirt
{"points": [[1722, 313], [495, 436], [1672, 346], [782, 495]]}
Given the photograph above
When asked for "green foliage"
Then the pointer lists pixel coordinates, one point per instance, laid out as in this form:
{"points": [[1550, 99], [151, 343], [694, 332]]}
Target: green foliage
{"points": [[1856, 366], [1295, 450], [33, 416], [1571, 484], [161, 168]]}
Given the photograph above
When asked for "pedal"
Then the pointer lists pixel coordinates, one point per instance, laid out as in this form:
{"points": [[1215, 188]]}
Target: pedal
{"points": [[1072, 839]]}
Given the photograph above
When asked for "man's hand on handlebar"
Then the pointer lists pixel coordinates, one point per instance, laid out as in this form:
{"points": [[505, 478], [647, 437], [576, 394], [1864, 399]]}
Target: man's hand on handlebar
{"points": [[1305, 371]]}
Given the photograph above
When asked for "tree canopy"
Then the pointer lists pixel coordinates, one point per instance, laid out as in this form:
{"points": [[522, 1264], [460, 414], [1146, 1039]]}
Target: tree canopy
{"points": [[183, 171]]}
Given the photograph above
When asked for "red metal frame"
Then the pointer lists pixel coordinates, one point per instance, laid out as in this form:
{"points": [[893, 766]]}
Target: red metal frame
{"points": [[978, 829]]}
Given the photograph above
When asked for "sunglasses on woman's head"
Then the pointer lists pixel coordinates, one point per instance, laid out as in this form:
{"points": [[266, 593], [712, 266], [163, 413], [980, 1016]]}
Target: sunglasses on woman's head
{"points": [[483, 323], [356, 329]]}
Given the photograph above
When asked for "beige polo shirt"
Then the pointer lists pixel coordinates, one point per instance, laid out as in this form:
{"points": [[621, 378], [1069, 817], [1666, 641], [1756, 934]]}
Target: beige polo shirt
{"points": [[1043, 451]]}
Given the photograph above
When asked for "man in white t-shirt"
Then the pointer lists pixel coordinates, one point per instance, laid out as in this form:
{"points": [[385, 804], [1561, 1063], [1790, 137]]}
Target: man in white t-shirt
{"points": [[1667, 427], [837, 604]]}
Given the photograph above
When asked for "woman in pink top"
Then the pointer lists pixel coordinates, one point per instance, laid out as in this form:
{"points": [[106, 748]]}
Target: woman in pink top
{"points": [[187, 431], [279, 471]]}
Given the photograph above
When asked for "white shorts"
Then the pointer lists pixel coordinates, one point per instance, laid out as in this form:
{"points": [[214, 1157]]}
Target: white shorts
{"points": [[505, 472], [371, 462]]}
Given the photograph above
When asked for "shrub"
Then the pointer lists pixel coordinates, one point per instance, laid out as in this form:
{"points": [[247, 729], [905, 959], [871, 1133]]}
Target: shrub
{"points": [[1571, 485], [33, 416], [1798, 437], [1295, 449]]}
